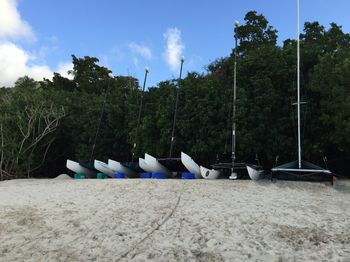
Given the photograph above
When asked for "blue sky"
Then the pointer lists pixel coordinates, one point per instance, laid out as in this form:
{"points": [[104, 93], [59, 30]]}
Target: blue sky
{"points": [[128, 35]]}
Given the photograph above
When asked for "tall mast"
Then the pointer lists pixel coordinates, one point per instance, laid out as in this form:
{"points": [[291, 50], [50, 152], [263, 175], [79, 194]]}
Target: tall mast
{"points": [[298, 81], [139, 115], [234, 101], [110, 76], [175, 113]]}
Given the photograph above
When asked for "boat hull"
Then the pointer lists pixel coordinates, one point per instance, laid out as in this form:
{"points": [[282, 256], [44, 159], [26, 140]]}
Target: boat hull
{"points": [[118, 167], [209, 173], [191, 165], [144, 165], [155, 166], [77, 168], [103, 167], [255, 174]]}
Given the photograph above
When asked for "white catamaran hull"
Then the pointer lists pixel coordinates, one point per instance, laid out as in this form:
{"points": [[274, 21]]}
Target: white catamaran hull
{"points": [[77, 168], [144, 165], [155, 166], [118, 167], [103, 167], [191, 166], [255, 174], [209, 173]]}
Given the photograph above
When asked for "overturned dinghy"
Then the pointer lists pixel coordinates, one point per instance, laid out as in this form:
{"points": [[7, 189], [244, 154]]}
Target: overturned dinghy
{"points": [[119, 167], [255, 172], [144, 165], [191, 165], [155, 166], [103, 167], [209, 173], [78, 168]]}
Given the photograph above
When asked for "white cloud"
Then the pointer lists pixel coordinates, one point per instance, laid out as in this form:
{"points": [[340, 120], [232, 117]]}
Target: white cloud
{"points": [[144, 51], [63, 69], [14, 64], [174, 48], [11, 24]]}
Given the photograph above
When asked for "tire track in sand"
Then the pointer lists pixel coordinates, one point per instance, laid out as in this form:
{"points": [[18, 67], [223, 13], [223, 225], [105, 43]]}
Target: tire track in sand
{"points": [[152, 230]]}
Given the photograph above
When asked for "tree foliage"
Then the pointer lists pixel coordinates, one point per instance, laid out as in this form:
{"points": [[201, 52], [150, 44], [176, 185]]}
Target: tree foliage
{"points": [[266, 119]]}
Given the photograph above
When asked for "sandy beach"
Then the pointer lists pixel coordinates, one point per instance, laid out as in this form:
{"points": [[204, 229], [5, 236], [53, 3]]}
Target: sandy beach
{"points": [[172, 220]]}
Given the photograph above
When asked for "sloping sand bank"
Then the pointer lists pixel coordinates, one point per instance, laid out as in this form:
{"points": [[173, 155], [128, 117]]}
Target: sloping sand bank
{"points": [[172, 220]]}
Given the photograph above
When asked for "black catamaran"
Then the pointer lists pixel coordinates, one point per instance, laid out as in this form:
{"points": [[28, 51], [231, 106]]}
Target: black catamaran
{"points": [[299, 168], [235, 169]]}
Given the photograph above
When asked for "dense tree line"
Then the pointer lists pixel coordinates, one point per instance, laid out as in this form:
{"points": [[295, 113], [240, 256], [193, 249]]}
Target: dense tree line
{"points": [[42, 123]]}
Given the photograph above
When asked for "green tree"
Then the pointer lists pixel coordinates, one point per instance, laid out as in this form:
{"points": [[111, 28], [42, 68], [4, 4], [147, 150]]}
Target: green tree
{"points": [[255, 33], [27, 130], [88, 75]]}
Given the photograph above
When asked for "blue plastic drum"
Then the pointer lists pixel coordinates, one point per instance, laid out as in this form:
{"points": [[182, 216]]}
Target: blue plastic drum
{"points": [[188, 175], [158, 175], [119, 175], [145, 175]]}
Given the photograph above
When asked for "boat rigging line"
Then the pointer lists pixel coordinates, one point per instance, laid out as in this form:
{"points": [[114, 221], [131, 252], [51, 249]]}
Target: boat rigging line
{"points": [[176, 107], [233, 157], [110, 76], [139, 114]]}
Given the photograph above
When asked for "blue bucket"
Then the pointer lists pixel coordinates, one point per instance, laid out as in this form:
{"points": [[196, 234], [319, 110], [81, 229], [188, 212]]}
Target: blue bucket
{"points": [[158, 175], [119, 175], [145, 175], [188, 175]]}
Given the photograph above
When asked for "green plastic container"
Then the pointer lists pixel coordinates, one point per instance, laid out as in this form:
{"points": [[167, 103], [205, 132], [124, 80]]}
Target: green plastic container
{"points": [[100, 176], [79, 176]]}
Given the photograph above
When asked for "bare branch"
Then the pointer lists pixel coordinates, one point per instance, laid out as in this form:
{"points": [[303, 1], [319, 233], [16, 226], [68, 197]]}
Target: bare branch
{"points": [[35, 124]]}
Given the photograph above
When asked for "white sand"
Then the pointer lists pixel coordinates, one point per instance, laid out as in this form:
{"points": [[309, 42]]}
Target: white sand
{"points": [[172, 220]]}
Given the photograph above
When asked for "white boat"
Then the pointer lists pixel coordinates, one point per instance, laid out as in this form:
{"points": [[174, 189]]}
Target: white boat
{"points": [[155, 166], [144, 165], [255, 173], [103, 167], [77, 168], [209, 173], [118, 167], [191, 165]]}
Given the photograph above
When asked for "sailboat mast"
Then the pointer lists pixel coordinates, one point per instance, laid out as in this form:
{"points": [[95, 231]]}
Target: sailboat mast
{"points": [[110, 76], [298, 81], [175, 113], [234, 100], [139, 115]]}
